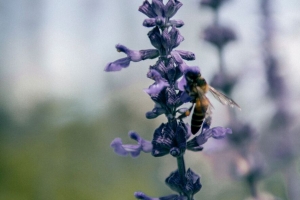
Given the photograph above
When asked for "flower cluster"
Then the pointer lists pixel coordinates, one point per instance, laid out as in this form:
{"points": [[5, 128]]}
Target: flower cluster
{"points": [[169, 93]]}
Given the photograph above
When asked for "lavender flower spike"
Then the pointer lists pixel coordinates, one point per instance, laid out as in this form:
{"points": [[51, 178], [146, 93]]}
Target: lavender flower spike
{"points": [[169, 95], [132, 55], [134, 149]]}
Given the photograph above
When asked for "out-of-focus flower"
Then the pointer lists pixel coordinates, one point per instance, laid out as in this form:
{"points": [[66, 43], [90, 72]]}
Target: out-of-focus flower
{"points": [[219, 35], [214, 4], [132, 55], [244, 135], [224, 82], [134, 149]]}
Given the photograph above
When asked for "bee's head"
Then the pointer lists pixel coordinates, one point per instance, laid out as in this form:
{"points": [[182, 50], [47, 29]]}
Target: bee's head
{"points": [[191, 74]]}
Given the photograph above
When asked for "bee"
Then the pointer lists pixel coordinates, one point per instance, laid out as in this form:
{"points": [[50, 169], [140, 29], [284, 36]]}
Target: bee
{"points": [[197, 87]]}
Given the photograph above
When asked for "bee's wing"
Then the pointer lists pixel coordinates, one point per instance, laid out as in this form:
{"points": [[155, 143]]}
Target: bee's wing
{"points": [[202, 95], [223, 98]]}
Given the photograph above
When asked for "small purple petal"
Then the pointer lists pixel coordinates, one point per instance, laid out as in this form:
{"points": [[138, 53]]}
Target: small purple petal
{"points": [[175, 36], [157, 110], [186, 55], [155, 38], [154, 75], [220, 132], [177, 23], [133, 149], [146, 146], [166, 39], [117, 65], [134, 56], [172, 7], [133, 135], [156, 87], [151, 22], [201, 139], [122, 48], [149, 54], [151, 115], [179, 61], [116, 144], [158, 7], [147, 9]]}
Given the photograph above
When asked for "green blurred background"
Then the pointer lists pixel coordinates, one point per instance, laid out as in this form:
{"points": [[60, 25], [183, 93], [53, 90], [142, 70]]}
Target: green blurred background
{"points": [[59, 111]]}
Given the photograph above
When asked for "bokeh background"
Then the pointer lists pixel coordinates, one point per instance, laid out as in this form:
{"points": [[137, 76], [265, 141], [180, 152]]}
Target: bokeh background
{"points": [[59, 110]]}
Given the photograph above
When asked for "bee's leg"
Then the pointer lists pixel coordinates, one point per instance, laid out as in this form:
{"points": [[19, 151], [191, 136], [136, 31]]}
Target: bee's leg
{"points": [[186, 113]]}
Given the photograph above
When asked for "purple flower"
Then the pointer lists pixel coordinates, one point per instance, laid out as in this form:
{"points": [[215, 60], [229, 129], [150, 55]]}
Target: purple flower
{"points": [[132, 55], [189, 187], [159, 84], [160, 14], [167, 70], [157, 110], [169, 138], [134, 149], [224, 82], [156, 39], [219, 35]]}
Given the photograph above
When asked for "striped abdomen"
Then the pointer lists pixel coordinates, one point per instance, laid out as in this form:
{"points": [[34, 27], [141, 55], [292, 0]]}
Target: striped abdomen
{"points": [[199, 114]]}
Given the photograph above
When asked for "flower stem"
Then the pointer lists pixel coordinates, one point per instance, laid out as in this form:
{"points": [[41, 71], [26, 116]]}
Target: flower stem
{"points": [[181, 167], [253, 189], [181, 170], [221, 60]]}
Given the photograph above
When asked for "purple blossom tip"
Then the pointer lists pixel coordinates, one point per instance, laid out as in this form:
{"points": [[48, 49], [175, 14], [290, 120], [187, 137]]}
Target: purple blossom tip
{"points": [[134, 55], [147, 9], [172, 7], [133, 149]]}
